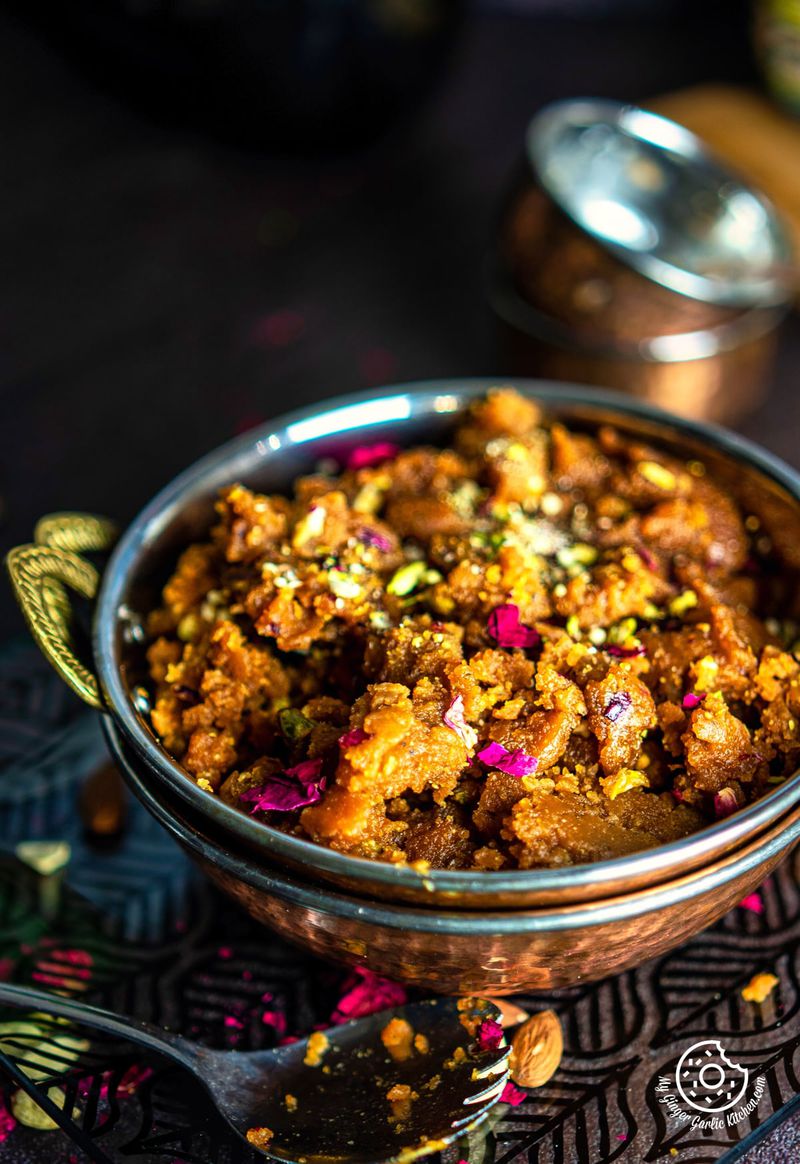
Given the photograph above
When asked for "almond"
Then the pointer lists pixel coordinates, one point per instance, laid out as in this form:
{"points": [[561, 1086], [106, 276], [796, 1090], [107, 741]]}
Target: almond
{"points": [[536, 1049], [511, 1015]]}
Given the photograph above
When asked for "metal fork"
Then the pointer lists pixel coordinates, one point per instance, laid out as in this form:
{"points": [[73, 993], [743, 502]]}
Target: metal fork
{"points": [[338, 1108]]}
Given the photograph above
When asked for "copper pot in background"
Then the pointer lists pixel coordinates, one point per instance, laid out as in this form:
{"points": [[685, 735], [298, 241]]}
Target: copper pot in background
{"points": [[618, 272]]}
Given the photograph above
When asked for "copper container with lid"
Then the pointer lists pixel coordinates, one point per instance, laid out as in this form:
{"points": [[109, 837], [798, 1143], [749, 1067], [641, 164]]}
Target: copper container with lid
{"points": [[628, 257]]}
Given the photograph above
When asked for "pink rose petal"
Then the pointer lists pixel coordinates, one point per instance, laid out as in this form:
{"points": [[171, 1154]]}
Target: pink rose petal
{"points": [[364, 455], [490, 1035], [505, 628], [626, 652], [371, 537], [512, 1094], [276, 1020], [691, 700], [647, 557], [353, 737], [292, 789], [519, 764], [725, 803], [752, 902], [617, 705], [454, 718], [367, 993], [7, 1122]]}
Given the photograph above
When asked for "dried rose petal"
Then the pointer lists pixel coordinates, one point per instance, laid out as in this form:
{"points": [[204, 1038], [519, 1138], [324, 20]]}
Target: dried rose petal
{"points": [[134, 1078], [364, 455], [454, 718], [512, 1094], [691, 700], [276, 1020], [371, 537], [505, 628], [647, 557], [617, 705], [289, 790], [725, 803], [752, 902], [490, 1035], [519, 764], [353, 737], [626, 652], [367, 993]]}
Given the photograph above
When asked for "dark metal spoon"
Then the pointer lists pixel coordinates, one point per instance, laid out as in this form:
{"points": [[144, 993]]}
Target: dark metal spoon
{"points": [[337, 1110]]}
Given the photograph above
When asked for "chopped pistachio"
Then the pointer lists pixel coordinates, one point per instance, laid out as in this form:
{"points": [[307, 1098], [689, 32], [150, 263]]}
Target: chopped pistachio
{"points": [[404, 580], [343, 584], [309, 527], [657, 475], [293, 724], [682, 603], [579, 554], [573, 627], [620, 632]]}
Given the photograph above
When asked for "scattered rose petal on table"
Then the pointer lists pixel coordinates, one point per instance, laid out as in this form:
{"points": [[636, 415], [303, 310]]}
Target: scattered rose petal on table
{"points": [[367, 993], [278, 329], [512, 1094]]}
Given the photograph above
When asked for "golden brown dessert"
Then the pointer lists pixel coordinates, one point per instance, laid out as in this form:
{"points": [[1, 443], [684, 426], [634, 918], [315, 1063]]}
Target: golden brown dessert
{"points": [[535, 647]]}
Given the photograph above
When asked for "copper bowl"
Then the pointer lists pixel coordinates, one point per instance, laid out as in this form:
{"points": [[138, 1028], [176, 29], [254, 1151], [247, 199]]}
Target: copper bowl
{"points": [[457, 951], [269, 458]]}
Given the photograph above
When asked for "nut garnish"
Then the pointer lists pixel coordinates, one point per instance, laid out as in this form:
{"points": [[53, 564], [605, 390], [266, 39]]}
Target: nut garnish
{"points": [[511, 1015], [536, 1049]]}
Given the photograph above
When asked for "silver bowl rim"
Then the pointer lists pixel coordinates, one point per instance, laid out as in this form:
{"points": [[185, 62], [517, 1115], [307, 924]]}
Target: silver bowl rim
{"points": [[625, 116], [405, 917], [374, 409]]}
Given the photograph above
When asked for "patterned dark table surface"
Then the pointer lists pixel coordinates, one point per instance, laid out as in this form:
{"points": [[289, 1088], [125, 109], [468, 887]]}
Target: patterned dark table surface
{"points": [[147, 936]]}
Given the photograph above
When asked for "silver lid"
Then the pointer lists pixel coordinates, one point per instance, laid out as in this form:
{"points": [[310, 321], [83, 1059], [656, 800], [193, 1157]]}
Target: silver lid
{"points": [[651, 193]]}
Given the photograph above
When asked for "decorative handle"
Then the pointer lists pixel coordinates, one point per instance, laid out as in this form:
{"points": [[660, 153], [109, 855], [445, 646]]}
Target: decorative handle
{"points": [[40, 575]]}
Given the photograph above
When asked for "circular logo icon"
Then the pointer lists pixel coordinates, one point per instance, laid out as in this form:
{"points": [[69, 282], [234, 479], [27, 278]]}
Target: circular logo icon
{"points": [[707, 1079]]}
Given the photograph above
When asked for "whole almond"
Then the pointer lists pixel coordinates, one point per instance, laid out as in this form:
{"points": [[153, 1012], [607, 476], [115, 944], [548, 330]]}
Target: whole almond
{"points": [[536, 1049], [511, 1015]]}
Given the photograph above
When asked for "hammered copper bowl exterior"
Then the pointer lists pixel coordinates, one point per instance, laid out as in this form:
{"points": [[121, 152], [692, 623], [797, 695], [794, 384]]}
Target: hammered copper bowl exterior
{"points": [[269, 459], [461, 951]]}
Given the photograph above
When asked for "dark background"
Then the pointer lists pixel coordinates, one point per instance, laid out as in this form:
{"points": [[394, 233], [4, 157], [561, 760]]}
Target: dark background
{"points": [[161, 290]]}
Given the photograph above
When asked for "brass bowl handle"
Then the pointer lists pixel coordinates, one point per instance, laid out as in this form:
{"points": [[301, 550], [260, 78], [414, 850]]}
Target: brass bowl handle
{"points": [[40, 574]]}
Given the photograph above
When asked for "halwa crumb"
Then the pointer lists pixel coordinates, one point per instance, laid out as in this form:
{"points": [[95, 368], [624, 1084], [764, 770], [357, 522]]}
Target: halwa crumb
{"points": [[760, 987], [317, 1045], [398, 1038]]}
